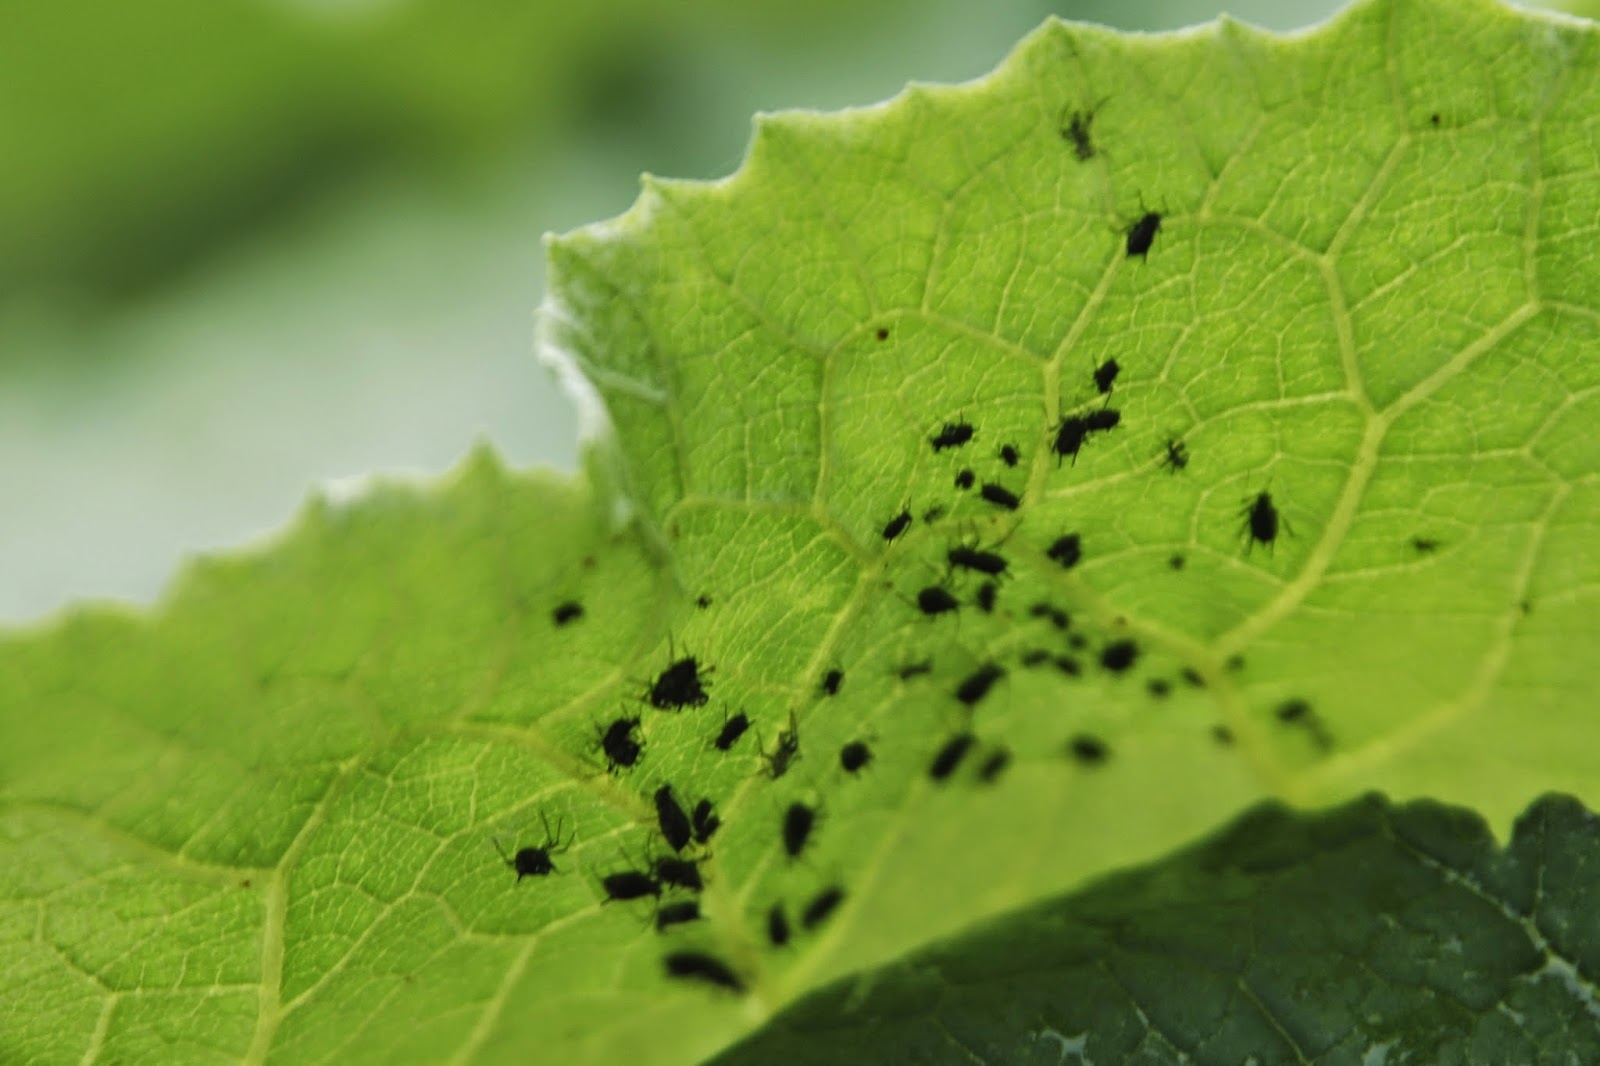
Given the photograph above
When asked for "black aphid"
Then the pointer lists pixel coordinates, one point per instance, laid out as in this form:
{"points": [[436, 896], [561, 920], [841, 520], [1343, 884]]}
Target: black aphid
{"points": [[993, 765], [1077, 641], [570, 611], [1176, 560], [702, 601], [964, 479], [1066, 550], [985, 598], [622, 748], [1119, 655], [949, 756], [882, 333], [1293, 710], [1222, 735], [1090, 751], [854, 755], [951, 435], [786, 752], [630, 884], [798, 821], [935, 600], [1076, 132], [933, 514], [1105, 374], [1260, 521], [679, 686], [826, 902], [1142, 233], [1000, 496], [916, 669], [698, 966], [1234, 662], [677, 913], [1058, 618], [1159, 687], [972, 559], [732, 730], [705, 821], [1009, 454], [1424, 545], [1177, 456], [1070, 435], [1102, 419], [1034, 657], [897, 525], [1068, 665], [777, 926], [1191, 675], [831, 682], [674, 823], [978, 683], [535, 861], [679, 873]]}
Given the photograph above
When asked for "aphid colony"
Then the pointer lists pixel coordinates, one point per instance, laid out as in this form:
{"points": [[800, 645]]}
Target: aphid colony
{"points": [[974, 575]]}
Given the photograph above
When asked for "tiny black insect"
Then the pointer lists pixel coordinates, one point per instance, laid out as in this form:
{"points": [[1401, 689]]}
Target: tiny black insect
{"points": [[1034, 657], [1070, 435], [972, 559], [630, 884], [964, 479], [1260, 521], [797, 823], [732, 730], [1293, 710], [1091, 751], [985, 598], [1177, 456], [702, 967], [1119, 655], [917, 669], [1434, 118], [897, 525], [680, 873], [1076, 131], [1105, 374], [674, 823], [933, 514], [994, 765], [831, 682], [786, 752], [1234, 662], [1142, 233], [1424, 545], [854, 755], [1191, 675], [1176, 560], [679, 686], [702, 601], [826, 902], [570, 611], [705, 820], [951, 435], [1009, 454], [1102, 419], [1058, 618], [1000, 496], [948, 757], [1222, 735], [1077, 641], [881, 333], [535, 861], [1068, 665], [1066, 550], [934, 600], [677, 913], [977, 684], [1159, 687], [619, 744], [777, 926]]}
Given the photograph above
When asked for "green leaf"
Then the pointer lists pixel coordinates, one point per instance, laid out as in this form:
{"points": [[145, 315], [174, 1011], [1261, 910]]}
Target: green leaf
{"points": [[263, 820], [1365, 935]]}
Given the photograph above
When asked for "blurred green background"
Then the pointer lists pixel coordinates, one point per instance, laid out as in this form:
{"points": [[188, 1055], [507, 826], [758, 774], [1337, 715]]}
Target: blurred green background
{"points": [[248, 248]]}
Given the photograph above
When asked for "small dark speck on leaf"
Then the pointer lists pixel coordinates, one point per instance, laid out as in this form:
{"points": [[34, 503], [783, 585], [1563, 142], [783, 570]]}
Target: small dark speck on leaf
{"points": [[1222, 735], [1119, 655], [570, 611], [1424, 545], [1090, 751], [986, 594], [882, 333], [1000, 496], [1142, 234], [831, 682], [964, 479], [1105, 374], [1159, 687], [1176, 561]]}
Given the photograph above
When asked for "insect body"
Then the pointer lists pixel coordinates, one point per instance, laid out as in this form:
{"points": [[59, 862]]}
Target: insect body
{"points": [[705, 820], [854, 755], [622, 748], [897, 525], [732, 730], [677, 914], [699, 966], [1142, 233], [978, 683], [570, 611], [950, 755], [1066, 550], [535, 861], [1260, 521], [798, 821], [674, 823], [786, 752], [1177, 455], [1105, 374], [1008, 454], [972, 559], [951, 435], [777, 926], [679, 686], [934, 600], [630, 884], [680, 873], [826, 902], [1000, 496]]}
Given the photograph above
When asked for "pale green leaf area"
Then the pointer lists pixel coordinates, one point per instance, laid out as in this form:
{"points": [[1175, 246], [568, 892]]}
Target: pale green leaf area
{"points": [[259, 823], [1362, 936]]}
